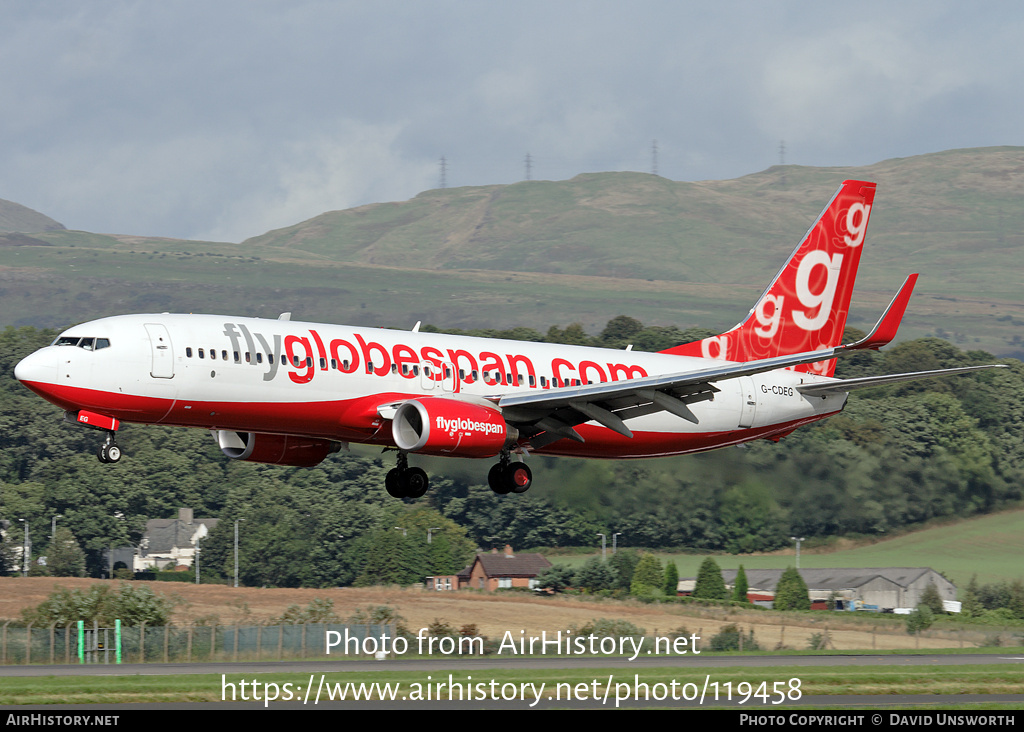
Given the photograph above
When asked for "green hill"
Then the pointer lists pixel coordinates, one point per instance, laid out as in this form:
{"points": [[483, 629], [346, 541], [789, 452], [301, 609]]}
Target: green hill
{"points": [[538, 253], [15, 218]]}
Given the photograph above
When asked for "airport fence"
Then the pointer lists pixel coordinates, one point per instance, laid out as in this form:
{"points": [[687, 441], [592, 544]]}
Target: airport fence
{"points": [[76, 643]]}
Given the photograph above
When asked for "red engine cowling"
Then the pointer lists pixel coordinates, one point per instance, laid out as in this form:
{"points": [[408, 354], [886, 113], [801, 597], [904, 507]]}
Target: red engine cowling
{"points": [[256, 447], [439, 426]]}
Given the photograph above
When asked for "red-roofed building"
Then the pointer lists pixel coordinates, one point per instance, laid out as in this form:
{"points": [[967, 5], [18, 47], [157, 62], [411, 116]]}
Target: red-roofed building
{"points": [[493, 571]]}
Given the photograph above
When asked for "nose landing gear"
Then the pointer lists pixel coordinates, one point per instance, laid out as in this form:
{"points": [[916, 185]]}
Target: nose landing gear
{"points": [[109, 452]]}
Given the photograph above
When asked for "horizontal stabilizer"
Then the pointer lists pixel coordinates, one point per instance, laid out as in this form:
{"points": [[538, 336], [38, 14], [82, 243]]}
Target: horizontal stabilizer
{"points": [[848, 385]]}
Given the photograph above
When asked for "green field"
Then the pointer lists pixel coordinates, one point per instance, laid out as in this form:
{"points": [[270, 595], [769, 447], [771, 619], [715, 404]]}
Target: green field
{"points": [[988, 546]]}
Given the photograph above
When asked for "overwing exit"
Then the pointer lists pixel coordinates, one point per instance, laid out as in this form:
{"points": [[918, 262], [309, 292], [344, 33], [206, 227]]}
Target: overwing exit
{"points": [[291, 393]]}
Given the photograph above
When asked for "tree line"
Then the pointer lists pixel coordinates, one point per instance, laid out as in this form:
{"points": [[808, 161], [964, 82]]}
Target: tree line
{"points": [[897, 456]]}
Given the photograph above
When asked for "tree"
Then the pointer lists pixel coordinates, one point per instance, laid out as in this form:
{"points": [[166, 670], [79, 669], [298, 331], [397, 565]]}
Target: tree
{"points": [[710, 585], [740, 586], [594, 576], [791, 592], [932, 599], [556, 578], [65, 558], [647, 576], [622, 563], [671, 585]]}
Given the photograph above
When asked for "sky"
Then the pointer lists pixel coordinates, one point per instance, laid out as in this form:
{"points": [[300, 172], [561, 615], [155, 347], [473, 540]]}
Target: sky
{"points": [[224, 120]]}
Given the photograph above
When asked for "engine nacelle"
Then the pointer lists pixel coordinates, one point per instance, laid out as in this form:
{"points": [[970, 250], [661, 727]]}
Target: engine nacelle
{"points": [[439, 426], [256, 447]]}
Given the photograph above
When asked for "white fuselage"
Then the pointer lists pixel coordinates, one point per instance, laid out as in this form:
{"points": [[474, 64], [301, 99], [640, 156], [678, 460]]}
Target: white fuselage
{"points": [[329, 381]]}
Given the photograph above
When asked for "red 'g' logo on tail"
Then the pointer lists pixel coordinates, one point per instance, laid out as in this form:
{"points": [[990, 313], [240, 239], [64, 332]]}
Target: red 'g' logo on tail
{"points": [[805, 306]]}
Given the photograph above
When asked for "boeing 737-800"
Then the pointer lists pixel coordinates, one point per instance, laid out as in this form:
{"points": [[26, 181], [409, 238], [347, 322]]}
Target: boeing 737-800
{"points": [[290, 393]]}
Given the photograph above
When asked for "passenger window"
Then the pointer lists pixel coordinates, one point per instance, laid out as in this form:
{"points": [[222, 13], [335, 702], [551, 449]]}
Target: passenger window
{"points": [[323, 363], [533, 380], [202, 354], [345, 364], [259, 358], [188, 352], [309, 362], [224, 355], [295, 361], [334, 364], [248, 357], [237, 359]]}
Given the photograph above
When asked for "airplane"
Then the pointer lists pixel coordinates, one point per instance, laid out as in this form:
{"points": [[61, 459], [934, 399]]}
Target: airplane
{"points": [[291, 393]]}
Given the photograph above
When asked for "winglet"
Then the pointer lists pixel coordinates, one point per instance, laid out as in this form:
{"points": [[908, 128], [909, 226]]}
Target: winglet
{"points": [[886, 327]]}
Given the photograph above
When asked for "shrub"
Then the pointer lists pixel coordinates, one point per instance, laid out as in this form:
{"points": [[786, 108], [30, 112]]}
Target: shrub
{"points": [[728, 639]]}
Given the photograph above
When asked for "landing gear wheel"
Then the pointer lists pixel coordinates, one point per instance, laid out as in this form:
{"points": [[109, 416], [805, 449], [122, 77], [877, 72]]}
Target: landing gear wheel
{"points": [[109, 453], [391, 484], [414, 482], [495, 479], [519, 477]]}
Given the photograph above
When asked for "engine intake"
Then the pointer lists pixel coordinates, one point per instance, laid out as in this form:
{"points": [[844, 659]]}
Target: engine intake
{"points": [[439, 426]]}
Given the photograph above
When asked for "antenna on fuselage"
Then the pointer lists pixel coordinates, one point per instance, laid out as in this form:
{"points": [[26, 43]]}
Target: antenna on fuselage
{"points": [[416, 328], [284, 316]]}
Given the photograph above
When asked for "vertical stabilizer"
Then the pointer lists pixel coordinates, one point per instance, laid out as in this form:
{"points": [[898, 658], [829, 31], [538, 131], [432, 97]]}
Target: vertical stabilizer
{"points": [[805, 307]]}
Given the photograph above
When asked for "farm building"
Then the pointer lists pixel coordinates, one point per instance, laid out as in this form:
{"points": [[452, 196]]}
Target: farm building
{"points": [[884, 587]]}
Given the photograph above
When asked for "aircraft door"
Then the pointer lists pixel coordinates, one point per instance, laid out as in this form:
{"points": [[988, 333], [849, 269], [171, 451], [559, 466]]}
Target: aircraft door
{"points": [[748, 402], [163, 354], [428, 376], [450, 378]]}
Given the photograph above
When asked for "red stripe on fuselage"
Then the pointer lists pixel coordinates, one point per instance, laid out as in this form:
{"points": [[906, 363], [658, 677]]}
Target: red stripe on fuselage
{"points": [[356, 420]]}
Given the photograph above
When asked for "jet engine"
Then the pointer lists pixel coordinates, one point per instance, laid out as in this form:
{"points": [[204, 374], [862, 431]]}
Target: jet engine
{"points": [[256, 447], [440, 426]]}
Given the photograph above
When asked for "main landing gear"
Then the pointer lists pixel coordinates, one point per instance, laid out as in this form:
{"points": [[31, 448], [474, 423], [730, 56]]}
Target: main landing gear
{"points": [[109, 452], [508, 477], [406, 482], [504, 477]]}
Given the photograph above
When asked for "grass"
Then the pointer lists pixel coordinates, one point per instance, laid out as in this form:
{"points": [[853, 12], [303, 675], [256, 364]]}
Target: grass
{"points": [[808, 681], [987, 546]]}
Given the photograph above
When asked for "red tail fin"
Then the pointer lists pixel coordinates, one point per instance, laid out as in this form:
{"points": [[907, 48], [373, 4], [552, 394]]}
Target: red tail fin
{"points": [[805, 306]]}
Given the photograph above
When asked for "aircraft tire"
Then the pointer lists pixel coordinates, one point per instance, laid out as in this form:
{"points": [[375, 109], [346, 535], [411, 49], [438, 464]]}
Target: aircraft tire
{"points": [[113, 453], [415, 482], [392, 485], [496, 480], [519, 477], [102, 454]]}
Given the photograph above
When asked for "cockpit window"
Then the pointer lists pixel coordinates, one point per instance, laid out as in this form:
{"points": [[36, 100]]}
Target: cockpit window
{"points": [[89, 344]]}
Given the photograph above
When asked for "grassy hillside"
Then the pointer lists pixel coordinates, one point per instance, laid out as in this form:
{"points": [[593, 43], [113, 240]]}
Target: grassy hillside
{"points": [[988, 546], [538, 253], [17, 218]]}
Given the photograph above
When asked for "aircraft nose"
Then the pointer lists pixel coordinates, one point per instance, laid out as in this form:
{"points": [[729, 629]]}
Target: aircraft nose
{"points": [[38, 367]]}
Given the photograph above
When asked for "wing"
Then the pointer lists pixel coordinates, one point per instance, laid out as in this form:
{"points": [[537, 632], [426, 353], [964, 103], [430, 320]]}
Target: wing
{"points": [[549, 416]]}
